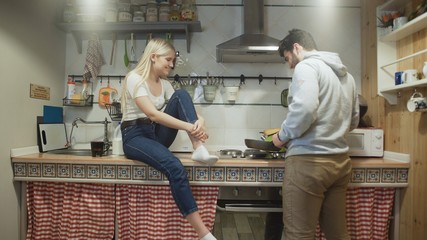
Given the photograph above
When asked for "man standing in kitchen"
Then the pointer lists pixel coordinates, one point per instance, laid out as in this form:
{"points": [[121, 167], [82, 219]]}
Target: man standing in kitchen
{"points": [[323, 107]]}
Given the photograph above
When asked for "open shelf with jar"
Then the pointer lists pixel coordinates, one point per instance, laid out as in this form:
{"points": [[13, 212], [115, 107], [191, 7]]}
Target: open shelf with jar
{"points": [[386, 53], [79, 93], [122, 30]]}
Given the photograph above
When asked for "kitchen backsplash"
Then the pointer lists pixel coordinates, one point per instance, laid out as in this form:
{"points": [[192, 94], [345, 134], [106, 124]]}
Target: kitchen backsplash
{"points": [[258, 103]]}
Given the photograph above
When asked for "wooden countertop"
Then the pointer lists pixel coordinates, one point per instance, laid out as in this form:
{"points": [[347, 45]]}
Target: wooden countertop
{"points": [[370, 172], [186, 160]]}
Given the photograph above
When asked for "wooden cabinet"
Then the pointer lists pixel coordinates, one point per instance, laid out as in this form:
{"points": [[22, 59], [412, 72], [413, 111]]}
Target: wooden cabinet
{"points": [[386, 55], [122, 30]]}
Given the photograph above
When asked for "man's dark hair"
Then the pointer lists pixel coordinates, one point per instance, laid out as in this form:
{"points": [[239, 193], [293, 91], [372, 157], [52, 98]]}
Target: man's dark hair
{"points": [[299, 36]]}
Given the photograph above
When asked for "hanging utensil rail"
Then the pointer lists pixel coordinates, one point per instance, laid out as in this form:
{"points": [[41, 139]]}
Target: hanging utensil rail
{"points": [[242, 77]]}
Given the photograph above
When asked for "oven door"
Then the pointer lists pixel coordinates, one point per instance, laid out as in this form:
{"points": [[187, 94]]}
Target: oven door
{"points": [[249, 199], [248, 206]]}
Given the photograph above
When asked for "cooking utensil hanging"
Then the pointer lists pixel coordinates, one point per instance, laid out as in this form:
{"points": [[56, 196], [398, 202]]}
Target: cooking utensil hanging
{"points": [[126, 57], [107, 95], [132, 59], [113, 48]]}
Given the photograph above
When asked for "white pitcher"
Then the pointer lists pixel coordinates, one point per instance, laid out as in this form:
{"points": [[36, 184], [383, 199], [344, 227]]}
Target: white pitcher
{"points": [[117, 141], [425, 70]]}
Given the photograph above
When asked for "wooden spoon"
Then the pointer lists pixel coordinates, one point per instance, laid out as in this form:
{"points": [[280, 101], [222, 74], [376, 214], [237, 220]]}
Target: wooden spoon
{"points": [[113, 48]]}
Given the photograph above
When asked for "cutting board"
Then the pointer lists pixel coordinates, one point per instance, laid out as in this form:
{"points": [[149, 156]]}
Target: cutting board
{"points": [[52, 114], [52, 136]]}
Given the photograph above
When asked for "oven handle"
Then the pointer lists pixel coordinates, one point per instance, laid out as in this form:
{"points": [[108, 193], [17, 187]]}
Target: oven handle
{"points": [[247, 208]]}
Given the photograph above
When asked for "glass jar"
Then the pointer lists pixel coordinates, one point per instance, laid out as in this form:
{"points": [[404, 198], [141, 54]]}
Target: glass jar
{"points": [[111, 13], [187, 11], [152, 13], [125, 17], [138, 16], [174, 14], [164, 10], [69, 14]]}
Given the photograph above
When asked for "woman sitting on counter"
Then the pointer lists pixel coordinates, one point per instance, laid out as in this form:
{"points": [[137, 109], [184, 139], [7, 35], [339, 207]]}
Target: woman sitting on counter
{"points": [[149, 126]]}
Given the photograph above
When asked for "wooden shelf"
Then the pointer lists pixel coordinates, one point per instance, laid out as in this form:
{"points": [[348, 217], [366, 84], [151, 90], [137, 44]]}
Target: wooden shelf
{"points": [[391, 93], [179, 30], [409, 28], [386, 55]]}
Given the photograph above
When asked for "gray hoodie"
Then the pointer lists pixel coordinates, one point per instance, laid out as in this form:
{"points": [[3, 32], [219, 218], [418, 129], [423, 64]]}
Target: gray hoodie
{"points": [[323, 106]]}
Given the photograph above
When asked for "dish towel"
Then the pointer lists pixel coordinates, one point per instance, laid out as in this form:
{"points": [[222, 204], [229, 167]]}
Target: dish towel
{"points": [[94, 58]]}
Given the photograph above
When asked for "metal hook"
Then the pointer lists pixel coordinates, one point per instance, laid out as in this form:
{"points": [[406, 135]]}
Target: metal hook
{"points": [[275, 80], [120, 79], [260, 79], [242, 79]]}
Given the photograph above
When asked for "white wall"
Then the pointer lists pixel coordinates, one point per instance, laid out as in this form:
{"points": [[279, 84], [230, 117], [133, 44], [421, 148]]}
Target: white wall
{"points": [[32, 50], [335, 28]]}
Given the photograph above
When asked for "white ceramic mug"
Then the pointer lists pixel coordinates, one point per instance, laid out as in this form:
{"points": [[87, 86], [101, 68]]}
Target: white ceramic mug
{"points": [[416, 102], [409, 76]]}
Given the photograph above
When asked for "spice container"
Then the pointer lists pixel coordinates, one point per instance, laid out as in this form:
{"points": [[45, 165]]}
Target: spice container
{"points": [[164, 10], [174, 14], [69, 14], [111, 13], [152, 12], [138, 16], [187, 11], [125, 17]]}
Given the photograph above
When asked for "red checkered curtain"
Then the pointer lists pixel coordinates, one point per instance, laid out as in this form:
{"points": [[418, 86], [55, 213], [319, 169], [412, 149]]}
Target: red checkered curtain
{"points": [[368, 213], [149, 212], [70, 211]]}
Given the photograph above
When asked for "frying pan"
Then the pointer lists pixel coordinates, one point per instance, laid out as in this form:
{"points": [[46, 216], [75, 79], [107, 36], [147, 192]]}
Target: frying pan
{"points": [[261, 145]]}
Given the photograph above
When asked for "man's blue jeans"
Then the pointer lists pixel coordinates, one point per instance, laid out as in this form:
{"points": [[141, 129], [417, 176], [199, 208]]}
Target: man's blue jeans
{"points": [[149, 144]]}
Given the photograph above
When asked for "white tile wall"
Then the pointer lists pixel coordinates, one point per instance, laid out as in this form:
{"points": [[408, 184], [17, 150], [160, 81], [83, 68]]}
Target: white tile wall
{"points": [[335, 28]]}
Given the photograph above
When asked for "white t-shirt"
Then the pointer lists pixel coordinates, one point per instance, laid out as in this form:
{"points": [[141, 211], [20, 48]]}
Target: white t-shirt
{"points": [[132, 111]]}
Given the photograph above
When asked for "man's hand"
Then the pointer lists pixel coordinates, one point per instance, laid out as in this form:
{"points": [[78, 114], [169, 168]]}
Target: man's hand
{"points": [[277, 142]]}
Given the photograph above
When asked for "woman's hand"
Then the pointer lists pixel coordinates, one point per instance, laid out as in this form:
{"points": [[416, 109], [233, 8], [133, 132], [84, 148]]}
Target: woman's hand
{"points": [[199, 130]]}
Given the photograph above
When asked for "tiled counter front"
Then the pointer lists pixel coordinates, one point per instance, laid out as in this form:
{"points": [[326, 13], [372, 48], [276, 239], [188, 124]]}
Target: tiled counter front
{"points": [[48, 167]]}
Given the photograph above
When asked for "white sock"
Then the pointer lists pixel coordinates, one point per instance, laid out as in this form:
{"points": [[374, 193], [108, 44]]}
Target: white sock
{"points": [[201, 154], [208, 236]]}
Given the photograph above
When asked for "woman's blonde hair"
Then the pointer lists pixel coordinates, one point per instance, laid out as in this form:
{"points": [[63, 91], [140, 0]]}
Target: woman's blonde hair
{"points": [[157, 46]]}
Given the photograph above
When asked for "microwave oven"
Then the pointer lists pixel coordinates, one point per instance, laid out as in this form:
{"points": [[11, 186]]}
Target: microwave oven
{"points": [[366, 142]]}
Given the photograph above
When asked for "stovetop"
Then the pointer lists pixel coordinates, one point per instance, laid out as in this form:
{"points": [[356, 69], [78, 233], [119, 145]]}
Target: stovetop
{"points": [[250, 153]]}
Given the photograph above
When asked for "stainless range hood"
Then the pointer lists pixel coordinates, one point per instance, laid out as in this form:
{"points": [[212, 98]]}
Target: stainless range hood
{"points": [[253, 46]]}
